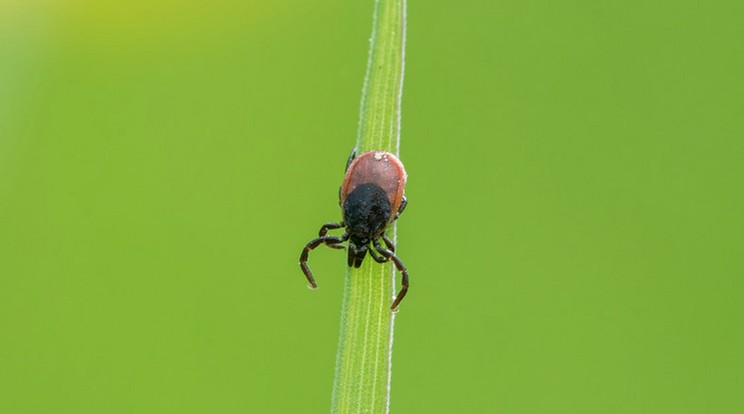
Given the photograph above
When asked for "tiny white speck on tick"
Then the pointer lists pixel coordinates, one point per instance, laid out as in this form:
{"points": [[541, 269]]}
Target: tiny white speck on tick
{"points": [[379, 155]]}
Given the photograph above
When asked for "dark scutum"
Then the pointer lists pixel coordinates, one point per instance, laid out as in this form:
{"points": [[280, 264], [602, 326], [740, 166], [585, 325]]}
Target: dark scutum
{"points": [[366, 213]]}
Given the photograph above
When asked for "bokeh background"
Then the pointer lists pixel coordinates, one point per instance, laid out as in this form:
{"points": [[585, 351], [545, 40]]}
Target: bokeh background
{"points": [[574, 231]]}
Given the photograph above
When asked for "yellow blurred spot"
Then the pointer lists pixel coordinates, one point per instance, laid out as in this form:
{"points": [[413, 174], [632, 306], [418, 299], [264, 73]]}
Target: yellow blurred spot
{"points": [[137, 20]]}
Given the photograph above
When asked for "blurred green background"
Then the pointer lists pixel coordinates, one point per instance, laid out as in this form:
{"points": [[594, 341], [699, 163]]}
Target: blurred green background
{"points": [[574, 231]]}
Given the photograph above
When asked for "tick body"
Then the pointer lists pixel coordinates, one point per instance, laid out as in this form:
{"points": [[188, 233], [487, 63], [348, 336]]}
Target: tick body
{"points": [[371, 197]]}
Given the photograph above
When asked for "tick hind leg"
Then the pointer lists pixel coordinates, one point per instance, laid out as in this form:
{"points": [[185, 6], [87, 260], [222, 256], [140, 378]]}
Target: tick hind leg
{"points": [[403, 204], [351, 158], [389, 255], [348, 163], [330, 241]]}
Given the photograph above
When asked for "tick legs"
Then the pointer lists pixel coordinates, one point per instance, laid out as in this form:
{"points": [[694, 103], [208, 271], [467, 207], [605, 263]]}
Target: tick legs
{"points": [[331, 226], [330, 241], [389, 243], [377, 258], [402, 207], [389, 255], [351, 158]]}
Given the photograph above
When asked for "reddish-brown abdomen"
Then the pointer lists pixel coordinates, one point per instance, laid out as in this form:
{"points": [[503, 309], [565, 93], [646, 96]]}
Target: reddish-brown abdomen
{"points": [[377, 167]]}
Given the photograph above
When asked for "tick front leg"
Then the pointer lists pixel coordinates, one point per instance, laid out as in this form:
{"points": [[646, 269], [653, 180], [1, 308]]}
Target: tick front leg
{"points": [[389, 243], [330, 241], [401, 268], [374, 255], [403, 282]]}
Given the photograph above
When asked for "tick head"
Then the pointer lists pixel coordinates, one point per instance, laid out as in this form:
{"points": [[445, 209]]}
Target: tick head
{"points": [[357, 250]]}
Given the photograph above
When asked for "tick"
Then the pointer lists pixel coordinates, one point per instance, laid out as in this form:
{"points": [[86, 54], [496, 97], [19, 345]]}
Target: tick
{"points": [[371, 197]]}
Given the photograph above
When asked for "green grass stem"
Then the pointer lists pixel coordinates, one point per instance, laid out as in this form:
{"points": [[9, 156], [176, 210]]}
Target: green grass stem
{"points": [[364, 359]]}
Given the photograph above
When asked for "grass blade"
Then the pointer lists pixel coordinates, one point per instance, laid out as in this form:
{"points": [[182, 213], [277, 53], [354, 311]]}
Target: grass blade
{"points": [[364, 359]]}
